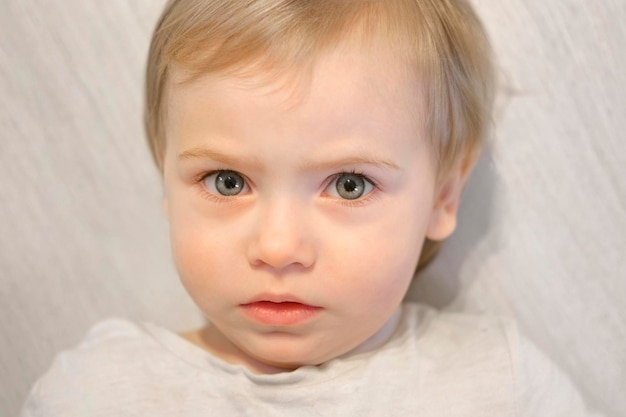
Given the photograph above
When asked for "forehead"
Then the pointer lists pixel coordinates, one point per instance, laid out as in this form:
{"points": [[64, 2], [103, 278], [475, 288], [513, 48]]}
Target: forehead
{"points": [[350, 107], [348, 83]]}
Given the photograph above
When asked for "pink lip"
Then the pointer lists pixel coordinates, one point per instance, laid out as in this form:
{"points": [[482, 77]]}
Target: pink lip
{"points": [[279, 311]]}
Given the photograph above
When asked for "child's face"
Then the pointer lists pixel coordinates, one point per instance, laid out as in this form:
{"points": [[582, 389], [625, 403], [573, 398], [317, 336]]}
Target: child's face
{"points": [[297, 219]]}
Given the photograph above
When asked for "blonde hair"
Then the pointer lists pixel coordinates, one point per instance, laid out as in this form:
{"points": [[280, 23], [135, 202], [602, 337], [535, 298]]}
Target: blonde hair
{"points": [[443, 39]]}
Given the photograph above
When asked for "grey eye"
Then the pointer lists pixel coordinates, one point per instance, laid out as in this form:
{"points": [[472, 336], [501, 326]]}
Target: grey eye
{"points": [[351, 186], [226, 183]]}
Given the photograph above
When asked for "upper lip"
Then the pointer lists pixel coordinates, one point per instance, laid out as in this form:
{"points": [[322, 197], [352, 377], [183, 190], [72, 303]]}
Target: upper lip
{"points": [[276, 298]]}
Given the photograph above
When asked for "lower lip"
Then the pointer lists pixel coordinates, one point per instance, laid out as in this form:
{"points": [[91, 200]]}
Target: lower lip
{"points": [[280, 314]]}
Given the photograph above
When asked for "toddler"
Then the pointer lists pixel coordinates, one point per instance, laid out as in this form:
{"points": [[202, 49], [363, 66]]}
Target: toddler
{"points": [[312, 153]]}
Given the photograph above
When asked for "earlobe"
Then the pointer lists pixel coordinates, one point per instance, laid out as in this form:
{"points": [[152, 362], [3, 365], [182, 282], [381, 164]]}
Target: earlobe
{"points": [[443, 218], [441, 226], [447, 200]]}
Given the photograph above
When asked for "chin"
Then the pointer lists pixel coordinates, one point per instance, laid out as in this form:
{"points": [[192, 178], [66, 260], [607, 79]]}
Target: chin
{"points": [[284, 353]]}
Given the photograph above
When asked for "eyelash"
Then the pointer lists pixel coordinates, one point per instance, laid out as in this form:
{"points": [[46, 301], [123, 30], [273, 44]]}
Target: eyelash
{"points": [[372, 195], [216, 198], [199, 179]]}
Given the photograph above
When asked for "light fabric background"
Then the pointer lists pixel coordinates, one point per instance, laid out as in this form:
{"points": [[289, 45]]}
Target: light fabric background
{"points": [[543, 227]]}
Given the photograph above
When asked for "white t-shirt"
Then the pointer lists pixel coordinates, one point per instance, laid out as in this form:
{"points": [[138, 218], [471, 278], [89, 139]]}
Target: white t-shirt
{"points": [[436, 364]]}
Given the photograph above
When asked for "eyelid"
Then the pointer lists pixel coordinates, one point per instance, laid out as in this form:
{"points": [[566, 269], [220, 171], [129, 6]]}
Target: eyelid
{"points": [[219, 198], [357, 201], [215, 196]]}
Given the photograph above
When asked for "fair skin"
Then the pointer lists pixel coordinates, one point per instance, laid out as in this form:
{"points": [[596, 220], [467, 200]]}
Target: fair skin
{"points": [[330, 192]]}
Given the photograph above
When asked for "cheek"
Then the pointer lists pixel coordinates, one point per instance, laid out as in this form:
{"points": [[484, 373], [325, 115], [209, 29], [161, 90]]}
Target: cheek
{"points": [[193, 238], [188, 251], [198, 252], [379, 258]]}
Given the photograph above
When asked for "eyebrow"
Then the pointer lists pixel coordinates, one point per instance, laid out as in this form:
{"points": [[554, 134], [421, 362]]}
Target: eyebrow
{"points": [[206, 153], [351, 160]]}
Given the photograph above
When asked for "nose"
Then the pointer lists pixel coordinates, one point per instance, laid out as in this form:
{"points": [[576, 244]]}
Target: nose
{"points": [[280, 238]]}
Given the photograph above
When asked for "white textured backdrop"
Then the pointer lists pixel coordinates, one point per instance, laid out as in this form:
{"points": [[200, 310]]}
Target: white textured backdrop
{"points": [[543, 228]]}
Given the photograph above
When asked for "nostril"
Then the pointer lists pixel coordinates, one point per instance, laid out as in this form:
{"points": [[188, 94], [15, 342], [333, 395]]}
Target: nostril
{"points": [[279, 252], [279, 237]]}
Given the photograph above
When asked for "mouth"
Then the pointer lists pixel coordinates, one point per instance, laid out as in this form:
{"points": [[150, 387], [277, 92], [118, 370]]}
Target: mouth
{"points": [[280, 313]]}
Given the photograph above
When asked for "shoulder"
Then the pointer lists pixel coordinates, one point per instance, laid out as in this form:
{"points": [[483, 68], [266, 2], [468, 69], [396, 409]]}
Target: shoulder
{"points": [[492, 355], [114, 332], [106, 368], [465, 358], [443, 333], [480, 354], [108, 343], [542, 388]]}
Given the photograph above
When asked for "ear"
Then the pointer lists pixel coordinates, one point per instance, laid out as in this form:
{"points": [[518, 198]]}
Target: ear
{"points": [[447, 199]]}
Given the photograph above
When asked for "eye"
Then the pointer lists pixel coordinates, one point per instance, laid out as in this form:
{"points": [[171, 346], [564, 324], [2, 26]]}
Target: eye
{"points": [[226, 183], [350, 186]]}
